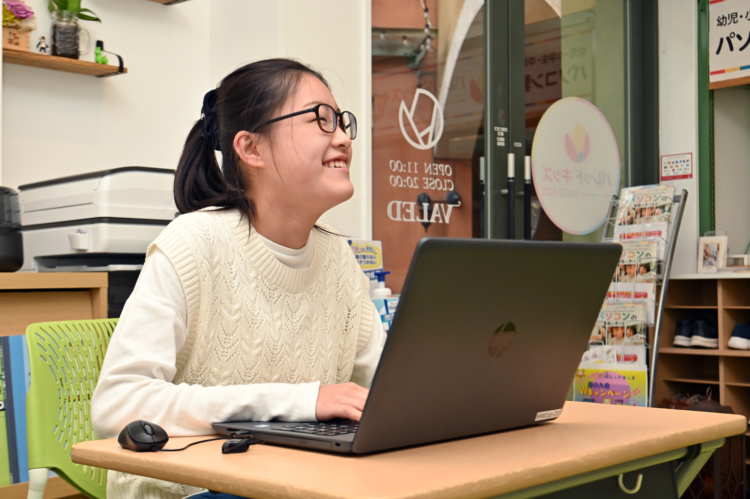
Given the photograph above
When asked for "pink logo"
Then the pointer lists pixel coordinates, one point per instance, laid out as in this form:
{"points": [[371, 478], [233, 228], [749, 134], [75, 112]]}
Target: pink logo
{"points": [[579, 145]]}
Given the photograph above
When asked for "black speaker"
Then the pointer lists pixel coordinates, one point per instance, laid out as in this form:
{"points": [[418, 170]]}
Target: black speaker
{"points": [[11, 241]]}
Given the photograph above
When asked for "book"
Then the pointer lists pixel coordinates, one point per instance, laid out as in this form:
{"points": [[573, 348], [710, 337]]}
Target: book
{"points": [[18, 381], [10, 420], [5, 477]]}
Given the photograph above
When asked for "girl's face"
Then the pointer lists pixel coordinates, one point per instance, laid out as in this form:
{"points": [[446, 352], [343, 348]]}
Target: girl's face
{"points": [[306, 169]]}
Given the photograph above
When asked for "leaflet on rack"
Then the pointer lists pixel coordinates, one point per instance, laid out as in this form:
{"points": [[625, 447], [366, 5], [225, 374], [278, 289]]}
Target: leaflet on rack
{"points": [[619, 335], [644, 212], [635, 277], [612, 384]]}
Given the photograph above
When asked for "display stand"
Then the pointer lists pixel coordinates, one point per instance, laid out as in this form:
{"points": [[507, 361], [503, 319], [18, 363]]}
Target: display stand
{"points": [[663, 268]]}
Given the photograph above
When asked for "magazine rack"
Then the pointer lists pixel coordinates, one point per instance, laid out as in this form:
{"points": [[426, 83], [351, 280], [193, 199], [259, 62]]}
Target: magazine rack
{"points": [[663, 267]]}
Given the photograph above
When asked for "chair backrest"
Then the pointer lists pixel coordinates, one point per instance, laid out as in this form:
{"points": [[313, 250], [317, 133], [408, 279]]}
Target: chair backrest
{"points": [[65, 359]]}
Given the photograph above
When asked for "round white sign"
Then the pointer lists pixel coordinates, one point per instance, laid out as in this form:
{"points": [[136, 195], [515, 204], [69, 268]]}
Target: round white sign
{"points": [[575, 165]]}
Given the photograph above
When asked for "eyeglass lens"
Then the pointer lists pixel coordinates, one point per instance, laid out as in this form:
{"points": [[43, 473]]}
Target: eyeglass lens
{"points": [[327, 120]]}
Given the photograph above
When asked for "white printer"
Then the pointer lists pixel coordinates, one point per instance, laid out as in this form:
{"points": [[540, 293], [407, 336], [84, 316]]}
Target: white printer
{"points": [[100, 221]]}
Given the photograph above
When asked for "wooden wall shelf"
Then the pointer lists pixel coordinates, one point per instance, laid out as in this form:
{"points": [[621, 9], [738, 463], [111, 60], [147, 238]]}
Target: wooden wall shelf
{"points": [[729, 83], [59, 63]]}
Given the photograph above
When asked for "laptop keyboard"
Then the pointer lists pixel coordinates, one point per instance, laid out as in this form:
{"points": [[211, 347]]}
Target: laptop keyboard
{"points": [[338, 427]]}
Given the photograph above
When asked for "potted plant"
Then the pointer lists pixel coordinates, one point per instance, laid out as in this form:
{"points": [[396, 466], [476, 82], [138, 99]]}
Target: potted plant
{"points": [[66, 34], [18, 22]]}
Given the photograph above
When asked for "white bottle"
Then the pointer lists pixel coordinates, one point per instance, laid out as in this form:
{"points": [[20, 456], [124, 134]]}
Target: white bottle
{"points": [[381, 291]]}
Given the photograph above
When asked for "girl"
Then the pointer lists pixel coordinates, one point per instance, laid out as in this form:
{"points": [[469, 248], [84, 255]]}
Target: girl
{"points": [[247, 308]]}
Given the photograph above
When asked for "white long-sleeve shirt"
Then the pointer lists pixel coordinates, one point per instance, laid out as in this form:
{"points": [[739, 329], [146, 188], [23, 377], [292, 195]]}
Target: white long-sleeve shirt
{"points": [[141, 360]]}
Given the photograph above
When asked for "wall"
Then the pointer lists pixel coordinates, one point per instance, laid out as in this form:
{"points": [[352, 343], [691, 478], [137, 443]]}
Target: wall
{"points": [[336, 41], [57, 124], [732, 175], [678, 113]]}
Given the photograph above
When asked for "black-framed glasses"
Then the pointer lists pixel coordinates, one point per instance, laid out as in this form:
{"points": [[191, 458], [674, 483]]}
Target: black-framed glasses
{"points": [[328, 119]]}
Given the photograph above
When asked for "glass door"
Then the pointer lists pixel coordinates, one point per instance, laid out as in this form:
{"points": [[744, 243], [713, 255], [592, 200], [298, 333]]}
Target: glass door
{"points": [[539, 52], [458, 95]]}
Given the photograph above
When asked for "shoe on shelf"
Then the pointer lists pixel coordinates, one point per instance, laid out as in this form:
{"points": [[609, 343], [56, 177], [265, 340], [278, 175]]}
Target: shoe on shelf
{"points": [[683, 332], [708, 404], [740, 337], [705, 334]]}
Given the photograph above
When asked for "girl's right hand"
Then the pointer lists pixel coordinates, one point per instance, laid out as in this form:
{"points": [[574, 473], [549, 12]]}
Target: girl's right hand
{"points": [[344, 400]]}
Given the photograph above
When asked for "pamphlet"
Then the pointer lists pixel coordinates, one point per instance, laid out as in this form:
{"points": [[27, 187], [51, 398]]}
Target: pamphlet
{"points": [[645, 212], [621, 324], [612, 384], [635, 277]]}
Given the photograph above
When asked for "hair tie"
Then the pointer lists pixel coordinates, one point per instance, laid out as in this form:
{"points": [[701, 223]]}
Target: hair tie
{"points": [[209, 123]]}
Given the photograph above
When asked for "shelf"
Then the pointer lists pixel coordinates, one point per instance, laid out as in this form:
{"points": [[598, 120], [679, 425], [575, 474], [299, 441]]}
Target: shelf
{"points": [[707, 277], [690, 351], [705, 351], [56, 63], [696, 381], [737, 82], [691, 370], [27, 297], [735, 353], [691, 307]]}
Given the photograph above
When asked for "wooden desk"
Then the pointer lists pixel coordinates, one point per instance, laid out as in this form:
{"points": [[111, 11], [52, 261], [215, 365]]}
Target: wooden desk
{"points": [[587, 443], [27, 297]]}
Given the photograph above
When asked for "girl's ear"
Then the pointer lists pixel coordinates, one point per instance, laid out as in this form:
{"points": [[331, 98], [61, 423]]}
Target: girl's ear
{"points": [[246, 146]]}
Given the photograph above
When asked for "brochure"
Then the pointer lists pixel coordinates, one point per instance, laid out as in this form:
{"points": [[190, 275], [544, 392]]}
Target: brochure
{"points": [[644, 212], [612, 384], [621, 324], [637, 261], [635, 277]]}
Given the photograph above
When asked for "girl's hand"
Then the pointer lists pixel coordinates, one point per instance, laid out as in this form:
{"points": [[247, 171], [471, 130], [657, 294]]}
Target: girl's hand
{"points": [[345, 400]]}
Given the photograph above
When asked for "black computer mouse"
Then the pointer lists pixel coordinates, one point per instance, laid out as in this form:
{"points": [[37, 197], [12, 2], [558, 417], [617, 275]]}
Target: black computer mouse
{"points": [[142, 436]]}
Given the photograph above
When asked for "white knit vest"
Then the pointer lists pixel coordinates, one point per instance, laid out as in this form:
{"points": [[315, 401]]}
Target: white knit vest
{"points": [[252, 319]]}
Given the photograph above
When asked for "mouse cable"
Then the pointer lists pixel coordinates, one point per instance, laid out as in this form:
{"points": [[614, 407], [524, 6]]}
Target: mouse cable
{"points": [[250, 441]]}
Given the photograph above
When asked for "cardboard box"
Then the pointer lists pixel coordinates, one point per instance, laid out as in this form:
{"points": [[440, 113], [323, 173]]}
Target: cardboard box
{"points": [[16, 39], [369, 255]]}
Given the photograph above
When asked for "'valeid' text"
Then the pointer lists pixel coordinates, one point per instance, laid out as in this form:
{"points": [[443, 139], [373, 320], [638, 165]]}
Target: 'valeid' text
{"points": [[410, 211]]}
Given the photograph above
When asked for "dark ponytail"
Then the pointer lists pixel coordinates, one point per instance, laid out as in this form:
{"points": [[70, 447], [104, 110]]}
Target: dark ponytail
{"points": [[244, 100]]}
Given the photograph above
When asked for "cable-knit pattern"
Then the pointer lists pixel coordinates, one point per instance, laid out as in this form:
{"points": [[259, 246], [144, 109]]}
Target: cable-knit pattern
{"points": [[251, 319]]}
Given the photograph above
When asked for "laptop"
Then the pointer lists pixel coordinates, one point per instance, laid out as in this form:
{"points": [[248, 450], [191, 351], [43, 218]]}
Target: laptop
{"points": [[487, 337]]}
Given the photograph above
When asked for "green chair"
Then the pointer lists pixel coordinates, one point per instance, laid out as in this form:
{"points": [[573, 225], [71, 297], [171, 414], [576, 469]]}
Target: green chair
{"points": [[65, 359]]}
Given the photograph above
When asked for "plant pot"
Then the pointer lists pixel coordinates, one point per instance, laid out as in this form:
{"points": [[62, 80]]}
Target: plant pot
{"points": [[66, 35]]}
